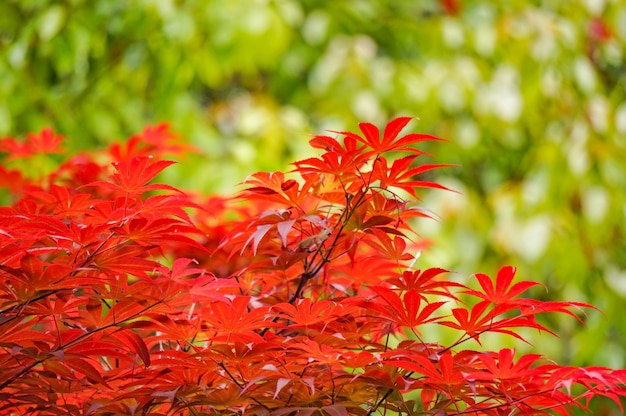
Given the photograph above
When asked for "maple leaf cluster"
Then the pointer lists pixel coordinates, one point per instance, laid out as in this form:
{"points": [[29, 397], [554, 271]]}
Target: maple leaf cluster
{"points": [[120, 296]]}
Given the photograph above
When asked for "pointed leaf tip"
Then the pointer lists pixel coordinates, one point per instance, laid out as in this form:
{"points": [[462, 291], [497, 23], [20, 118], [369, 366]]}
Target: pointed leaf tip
{"points": [[395, 126]]}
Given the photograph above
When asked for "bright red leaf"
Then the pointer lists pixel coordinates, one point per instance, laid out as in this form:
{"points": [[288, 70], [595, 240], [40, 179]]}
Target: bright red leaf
{"points": [[296, 297]]}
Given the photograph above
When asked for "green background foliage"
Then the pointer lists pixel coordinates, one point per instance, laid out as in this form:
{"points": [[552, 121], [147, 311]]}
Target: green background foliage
{"points": [[531, 95]]}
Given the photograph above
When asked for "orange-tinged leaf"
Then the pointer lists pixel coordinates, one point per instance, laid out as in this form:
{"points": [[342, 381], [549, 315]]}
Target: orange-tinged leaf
{"points": [[86, 368], [25, 335], [335, 410], [294, 410], [376, 221], [169, 394], [325, 142], [280, 384]]}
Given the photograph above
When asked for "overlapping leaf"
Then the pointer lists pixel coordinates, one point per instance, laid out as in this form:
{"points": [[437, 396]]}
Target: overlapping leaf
{"points": [[301, 300]]}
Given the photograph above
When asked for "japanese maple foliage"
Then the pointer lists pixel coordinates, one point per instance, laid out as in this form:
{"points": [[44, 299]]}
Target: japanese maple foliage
{"points": [[120, 296]]}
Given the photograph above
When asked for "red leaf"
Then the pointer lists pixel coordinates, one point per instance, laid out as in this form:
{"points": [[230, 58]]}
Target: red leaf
{"points": [[376, 221], [134, 343], [306, 313], [425, 282], [335, 410], [394, 127], [393, 249], [237, 317], [132, 178], [325, 142], [85, 367], [257, 236], [503, 291], [371, 134], [46, 141], [503, 366], [446, 375], [390, 142], [123, 260], [283, 229], [43, 142], [407, 311], [285, 186]]}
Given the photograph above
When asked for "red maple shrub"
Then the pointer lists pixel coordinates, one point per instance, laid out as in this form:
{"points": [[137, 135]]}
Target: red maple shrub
{"points": [[119, 296]]}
